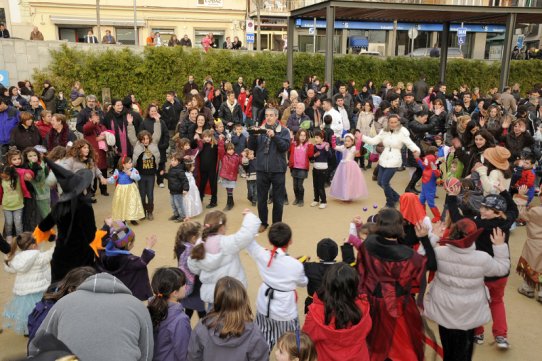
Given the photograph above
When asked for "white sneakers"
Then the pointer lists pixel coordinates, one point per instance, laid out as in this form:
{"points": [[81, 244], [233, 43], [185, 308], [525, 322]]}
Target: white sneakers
{"points": [[314, 204], [321, 205]]}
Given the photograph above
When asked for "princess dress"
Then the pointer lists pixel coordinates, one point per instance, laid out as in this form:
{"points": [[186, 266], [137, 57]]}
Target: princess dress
{"points": [[192, 201], [348, 183], [127, 204]]}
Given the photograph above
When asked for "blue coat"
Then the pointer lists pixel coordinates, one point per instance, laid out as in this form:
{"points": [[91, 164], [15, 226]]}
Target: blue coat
{"points": [[9, 119]]}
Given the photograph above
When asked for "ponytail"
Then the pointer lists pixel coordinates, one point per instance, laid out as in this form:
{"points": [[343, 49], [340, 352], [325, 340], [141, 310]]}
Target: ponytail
{"points": [[212, 223], [23, 241], [165, 281]]}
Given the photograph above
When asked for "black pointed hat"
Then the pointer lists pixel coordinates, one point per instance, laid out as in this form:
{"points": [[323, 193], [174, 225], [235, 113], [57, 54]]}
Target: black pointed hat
{"points": [[72, 184]]}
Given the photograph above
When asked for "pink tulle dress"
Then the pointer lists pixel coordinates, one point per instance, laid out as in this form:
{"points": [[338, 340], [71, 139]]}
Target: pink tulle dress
{"points": [[348, 183]]}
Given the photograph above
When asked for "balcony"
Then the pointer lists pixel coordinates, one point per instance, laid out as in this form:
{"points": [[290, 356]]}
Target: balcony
{"points": [[296, 4]]}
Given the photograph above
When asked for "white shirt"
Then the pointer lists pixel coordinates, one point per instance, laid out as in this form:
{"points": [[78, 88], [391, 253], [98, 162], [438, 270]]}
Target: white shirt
{"points": [[284, 274], [336, 123], [344, 117]]}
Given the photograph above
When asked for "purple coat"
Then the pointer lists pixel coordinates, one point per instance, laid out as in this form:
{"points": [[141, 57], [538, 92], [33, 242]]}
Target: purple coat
{"points": [[172, 336], [131, 270]]}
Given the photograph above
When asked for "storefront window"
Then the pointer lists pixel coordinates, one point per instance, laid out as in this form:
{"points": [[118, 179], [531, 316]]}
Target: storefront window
{"points": [[74, 35]]}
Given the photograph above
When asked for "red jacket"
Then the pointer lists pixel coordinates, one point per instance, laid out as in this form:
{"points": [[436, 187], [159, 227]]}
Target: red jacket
{"points": [[43, 128], [230, 164], [338, 345], [21, 172], [90, 132], [527, 179], [310, 153]]}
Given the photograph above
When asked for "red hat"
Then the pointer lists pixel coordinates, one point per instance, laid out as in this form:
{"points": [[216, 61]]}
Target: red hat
{"points": [[449, 183], [465, 227]]}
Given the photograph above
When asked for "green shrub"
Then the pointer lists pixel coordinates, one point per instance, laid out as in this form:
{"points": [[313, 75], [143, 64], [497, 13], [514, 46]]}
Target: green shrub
{"points": [[161, 69]]}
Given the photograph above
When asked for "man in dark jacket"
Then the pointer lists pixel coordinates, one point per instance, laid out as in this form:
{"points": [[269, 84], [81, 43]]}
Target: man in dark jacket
{"points": [[35, 108], [189, 86], [271, 165], [171, 110], [259, 97], [84, 115], [9, 118], [4, 33], [420, 88], [237, 86]]}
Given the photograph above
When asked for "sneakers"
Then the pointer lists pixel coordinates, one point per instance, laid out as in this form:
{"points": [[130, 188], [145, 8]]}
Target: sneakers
{"points": [[210, 205], [161, 185], [295, 202], [322, 205], [526, 292], [179, 220], [172, 218], [502, 342], [314, 204], [479, 339]]}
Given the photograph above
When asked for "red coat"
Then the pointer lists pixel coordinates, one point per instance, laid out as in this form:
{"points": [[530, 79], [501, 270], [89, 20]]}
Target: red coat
{"points": [[90, 132], [43, 128], [338, 345], [310, 153], [21, 172], [230, 165]]}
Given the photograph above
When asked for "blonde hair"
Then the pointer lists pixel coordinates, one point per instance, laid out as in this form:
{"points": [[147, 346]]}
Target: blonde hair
{"points": [[306, 351]]}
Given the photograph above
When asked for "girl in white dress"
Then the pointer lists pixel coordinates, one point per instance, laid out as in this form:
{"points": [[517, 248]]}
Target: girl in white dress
{"points": [[192, 201]]}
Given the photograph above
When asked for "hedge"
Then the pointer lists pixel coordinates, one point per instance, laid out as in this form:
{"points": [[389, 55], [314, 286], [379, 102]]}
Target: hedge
{"points": [[159, 70]]}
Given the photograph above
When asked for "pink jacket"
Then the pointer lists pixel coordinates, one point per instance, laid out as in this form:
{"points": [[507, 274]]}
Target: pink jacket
{"points": [[293, 163]]}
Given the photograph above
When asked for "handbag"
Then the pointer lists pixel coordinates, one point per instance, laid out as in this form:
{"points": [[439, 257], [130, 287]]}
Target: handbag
{"points": [[372, 131]]}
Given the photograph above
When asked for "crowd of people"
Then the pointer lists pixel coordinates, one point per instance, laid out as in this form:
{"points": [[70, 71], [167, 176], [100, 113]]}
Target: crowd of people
{"points": [[398, 267]]}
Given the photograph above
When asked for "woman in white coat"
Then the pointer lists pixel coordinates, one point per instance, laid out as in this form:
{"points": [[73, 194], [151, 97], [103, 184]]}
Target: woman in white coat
{"points": [[457, 299], [393, 137]]}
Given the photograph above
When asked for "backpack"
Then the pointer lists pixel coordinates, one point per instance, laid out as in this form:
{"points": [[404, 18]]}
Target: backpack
{"points": [[37, 316]]}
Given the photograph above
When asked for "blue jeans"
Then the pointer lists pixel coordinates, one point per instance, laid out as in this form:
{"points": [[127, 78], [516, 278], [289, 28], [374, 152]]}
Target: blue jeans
{"points": [[13, 218], [384, 177], [177, 205]]}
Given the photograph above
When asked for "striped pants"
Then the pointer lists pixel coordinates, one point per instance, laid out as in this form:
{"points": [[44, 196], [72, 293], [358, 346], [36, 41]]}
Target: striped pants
{"points": [[272, 330]]}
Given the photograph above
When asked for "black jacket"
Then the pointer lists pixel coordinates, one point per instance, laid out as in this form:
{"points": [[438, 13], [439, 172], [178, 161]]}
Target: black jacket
{"points": [[187, 129], [177, 181], [271, 152], [22, 137], [227, 116], [170, 114], [259, 97]]}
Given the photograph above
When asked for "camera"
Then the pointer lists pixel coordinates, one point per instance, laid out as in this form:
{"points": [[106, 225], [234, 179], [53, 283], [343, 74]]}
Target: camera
{"points": [[257, 131]]}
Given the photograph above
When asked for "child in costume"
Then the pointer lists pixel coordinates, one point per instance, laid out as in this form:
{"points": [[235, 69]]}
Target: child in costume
{"points": [[127, 204], [30, 214], [33, 269], [229, 169], [74, 217], [117, 260], [348, 182], [523, 177], [187, 236], [276, 310], [301, 150], [217, 255], [171, 325], [33, 158], [191, 201], [430, 175]]}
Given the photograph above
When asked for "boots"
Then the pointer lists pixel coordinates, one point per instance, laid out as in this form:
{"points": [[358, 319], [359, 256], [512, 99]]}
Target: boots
{"points": [[150, 209], [411, 187], [229, 204], [436, 214]]}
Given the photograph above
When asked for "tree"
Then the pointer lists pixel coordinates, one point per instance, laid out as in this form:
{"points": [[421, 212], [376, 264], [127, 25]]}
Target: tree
{"points": [[259, 6]]}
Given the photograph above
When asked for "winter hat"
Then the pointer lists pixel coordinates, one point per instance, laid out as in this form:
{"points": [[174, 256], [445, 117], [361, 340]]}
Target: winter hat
{"points": [[498, 156], [327, 250], [119, 237], [495, 202], [468, 229], [451, 182]]}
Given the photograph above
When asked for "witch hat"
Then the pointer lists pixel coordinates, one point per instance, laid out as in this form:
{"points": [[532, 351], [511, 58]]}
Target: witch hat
{"points": [[72, 184]]}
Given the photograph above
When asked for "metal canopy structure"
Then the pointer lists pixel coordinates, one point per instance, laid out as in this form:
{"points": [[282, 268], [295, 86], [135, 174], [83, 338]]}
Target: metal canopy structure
{"points": [[414, 13]]}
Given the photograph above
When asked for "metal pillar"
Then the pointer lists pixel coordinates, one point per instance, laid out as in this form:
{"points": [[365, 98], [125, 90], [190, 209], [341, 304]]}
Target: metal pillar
{"points": [[330, 30], [507, 51], [290, 51], [444, 50]]}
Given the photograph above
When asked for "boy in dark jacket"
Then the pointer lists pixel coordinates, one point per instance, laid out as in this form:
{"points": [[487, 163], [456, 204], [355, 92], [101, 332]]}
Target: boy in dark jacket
{"points": [[178, 186], [117, 260]]}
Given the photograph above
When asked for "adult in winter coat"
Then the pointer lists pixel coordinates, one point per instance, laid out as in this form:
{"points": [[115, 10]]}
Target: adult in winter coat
{"points": [[60, 133], [93, 132], [518, 139], [148, 124], [469, 156], [196, 101], [230, 111], [339, 336], [116, 120], [296, 118], [9, 118], [25, 134], [457, 299], [394, 136], [171, 110], [48, 96], [120, 327]]}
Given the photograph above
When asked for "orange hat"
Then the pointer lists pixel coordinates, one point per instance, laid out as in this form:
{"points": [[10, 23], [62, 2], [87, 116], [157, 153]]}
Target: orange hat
{"points": [[498, 156]]}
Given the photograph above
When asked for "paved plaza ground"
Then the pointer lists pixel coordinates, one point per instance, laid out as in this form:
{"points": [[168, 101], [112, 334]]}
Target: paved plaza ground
{"points": [[309, 226]]}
